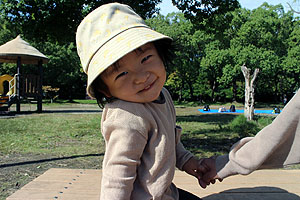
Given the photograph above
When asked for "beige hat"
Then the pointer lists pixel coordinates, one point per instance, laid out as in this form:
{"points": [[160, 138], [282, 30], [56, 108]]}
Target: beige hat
{"points": [[107, 34]]}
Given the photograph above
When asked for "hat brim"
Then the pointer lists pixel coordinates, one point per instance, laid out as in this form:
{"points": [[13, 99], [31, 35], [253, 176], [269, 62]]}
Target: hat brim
{"points": [[116, 48]]}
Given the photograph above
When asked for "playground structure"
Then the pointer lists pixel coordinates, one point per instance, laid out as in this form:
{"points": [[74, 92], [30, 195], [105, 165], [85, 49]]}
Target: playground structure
{"points": [[21, 86], [7, 89]]}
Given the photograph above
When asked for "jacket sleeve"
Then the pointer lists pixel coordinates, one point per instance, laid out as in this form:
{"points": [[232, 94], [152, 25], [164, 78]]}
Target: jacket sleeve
{"points": [[275, 146], [125, 143], [182, 155]]}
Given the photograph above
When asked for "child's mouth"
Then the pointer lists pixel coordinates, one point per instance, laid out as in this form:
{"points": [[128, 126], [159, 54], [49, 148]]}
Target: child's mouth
{"points": [[148, 87]]}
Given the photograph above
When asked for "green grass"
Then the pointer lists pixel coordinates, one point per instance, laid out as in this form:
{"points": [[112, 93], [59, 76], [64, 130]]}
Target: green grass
{"points": [[63, 102], [73, 134], [32, 144], [206, 135], [59, 134]]}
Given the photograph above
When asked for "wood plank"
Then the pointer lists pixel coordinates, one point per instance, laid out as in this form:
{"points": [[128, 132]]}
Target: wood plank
{"points": [[25, 194], [85, 184]]}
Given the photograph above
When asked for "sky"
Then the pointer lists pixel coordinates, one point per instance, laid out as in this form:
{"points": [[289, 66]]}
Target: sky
{"points": [[167, 6]]}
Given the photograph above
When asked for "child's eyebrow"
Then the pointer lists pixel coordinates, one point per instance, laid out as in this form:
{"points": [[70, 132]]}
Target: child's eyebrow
{"points": [[140, 50], [115, 67], [112, 69]]}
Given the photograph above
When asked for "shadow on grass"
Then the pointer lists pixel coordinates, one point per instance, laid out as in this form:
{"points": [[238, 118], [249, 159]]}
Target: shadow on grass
{"points": [[12, 114], [48, 160], [212, 145], [212, 140], [207, 118], [209, 140]]}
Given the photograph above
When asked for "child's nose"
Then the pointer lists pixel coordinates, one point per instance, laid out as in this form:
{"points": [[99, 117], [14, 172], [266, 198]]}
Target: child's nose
{"points": [[141, 77]]}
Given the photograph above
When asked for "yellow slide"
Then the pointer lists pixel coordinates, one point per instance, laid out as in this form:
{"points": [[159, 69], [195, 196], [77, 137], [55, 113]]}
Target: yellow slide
{"points": [[4, 85], [4, 88]]}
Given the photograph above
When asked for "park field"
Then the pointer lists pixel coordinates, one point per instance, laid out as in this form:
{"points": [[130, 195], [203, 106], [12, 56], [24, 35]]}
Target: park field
{"points": [[33, 143]]}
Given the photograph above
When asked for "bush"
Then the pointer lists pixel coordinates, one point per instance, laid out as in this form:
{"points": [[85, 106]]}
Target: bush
{"points": [[264, 121], [244, 128]]}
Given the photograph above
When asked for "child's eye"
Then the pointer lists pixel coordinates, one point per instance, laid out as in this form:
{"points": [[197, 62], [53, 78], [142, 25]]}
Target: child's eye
{"points": [[146, 58], [121, 74]]}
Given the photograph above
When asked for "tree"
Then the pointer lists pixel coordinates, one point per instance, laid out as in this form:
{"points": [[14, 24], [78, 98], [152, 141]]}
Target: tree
{"points": [[259, 39], [63, 70], [189, 52], [50, 26], [210, 16], [294, 6], [198, 11], [291, 63], [213, 62], [249, 91], [57, 20], [267, 27], [7, 33]]}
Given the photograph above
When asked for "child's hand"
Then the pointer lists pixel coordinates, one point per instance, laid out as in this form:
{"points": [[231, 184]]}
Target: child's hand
{"points": [[196, 169], [211, 174]]}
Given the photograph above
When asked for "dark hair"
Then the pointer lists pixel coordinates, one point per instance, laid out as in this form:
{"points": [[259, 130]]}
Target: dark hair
{"points": [[165, 50]]}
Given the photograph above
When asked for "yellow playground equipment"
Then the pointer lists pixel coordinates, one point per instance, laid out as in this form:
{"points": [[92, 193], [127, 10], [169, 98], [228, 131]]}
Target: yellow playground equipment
{"points": [[7, 88], [6, 85]]}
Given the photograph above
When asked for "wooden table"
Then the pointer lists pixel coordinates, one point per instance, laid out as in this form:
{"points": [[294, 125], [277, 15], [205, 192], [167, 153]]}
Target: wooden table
{"points": [[84, 184]]}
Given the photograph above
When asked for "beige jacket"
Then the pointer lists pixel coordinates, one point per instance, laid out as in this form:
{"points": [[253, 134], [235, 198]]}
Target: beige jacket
{"points": [[274, 146], [141, 150]]}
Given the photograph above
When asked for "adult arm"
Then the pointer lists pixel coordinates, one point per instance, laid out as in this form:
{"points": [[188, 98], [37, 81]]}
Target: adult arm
{"points": [[275, 146]]}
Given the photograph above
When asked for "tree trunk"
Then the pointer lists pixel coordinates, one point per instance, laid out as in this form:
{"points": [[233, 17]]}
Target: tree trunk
{"points": [[234, 91], [249, 92], [181, 91], [191, 90], [213, 88]]}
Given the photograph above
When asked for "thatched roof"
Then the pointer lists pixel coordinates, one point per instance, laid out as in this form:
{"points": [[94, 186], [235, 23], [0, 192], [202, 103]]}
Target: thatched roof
{"points": [[10, 51]]}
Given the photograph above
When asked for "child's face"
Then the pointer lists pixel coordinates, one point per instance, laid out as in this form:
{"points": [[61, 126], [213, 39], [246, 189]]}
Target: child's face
{"points": [[139, 78]]}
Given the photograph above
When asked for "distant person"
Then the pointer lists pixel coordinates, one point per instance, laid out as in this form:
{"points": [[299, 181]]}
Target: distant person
{"points": [[285, 100], [222, 109], [276, 110], [206, 108], [232, 108], [125, 63]]}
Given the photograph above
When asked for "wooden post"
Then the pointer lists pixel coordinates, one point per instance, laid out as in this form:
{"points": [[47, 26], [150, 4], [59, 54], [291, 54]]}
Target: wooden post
{"points": [[18, 105], [40, 91], [249, 92]]}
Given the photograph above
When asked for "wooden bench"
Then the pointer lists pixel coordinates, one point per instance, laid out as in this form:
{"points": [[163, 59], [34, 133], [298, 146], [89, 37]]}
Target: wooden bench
{"points": [[84, 184]]}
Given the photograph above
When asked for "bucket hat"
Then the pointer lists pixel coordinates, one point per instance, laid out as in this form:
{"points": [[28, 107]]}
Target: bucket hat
{"points": [[107, 34]]}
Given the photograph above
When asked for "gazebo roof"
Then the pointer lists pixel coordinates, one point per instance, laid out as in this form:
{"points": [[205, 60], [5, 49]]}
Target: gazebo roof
{"points": [[10, 51]]}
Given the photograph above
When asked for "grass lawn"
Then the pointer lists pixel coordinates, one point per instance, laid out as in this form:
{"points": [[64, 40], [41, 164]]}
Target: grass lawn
{"points": [[32, 144]]}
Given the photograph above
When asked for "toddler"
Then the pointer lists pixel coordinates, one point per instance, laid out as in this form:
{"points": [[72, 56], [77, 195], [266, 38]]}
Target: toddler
{"points": [[125, 62]]}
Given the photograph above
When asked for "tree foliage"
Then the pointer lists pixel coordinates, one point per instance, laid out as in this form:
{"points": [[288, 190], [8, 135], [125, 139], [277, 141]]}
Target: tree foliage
{"points": [[57, 20], [206, 10], [213, 40], [50, 26], [264, 38]]}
